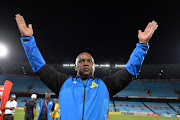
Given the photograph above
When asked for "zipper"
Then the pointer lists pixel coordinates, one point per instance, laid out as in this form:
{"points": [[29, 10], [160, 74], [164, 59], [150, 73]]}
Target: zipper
{"points": [[84, 99]]}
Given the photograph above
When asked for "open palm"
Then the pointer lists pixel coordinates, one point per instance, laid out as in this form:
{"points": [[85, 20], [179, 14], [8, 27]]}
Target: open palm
{"points": [[145, 36], [23, 28]]}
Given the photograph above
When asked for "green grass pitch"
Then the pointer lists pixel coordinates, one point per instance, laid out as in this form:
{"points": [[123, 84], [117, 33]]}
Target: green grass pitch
{"points": [[19, 115]]}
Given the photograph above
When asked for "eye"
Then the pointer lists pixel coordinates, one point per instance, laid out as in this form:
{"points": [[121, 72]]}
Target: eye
{"points": [[79, 61], [90, 61]]}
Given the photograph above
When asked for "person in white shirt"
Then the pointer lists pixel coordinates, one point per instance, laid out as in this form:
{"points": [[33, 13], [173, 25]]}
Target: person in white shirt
{"points": [[9, 108]]}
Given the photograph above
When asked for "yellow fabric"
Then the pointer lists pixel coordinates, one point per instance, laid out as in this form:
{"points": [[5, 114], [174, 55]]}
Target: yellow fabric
{"points": [[56, 109]]}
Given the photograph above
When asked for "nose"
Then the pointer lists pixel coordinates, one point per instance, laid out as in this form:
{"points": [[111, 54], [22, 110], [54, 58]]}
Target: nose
{"points": [[86, 63]]}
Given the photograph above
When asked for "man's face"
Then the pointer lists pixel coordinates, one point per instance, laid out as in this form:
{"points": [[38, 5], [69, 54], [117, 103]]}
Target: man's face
{"points": [[47, 95], [12, 98], [85, 65]]}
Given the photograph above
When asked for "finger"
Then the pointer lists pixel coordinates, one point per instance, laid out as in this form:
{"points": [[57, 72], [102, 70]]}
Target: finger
{"points": [[155, 27], [30, 26], [18, 14], [148, 26], [20, 20], [154, 24], [18, 17]]}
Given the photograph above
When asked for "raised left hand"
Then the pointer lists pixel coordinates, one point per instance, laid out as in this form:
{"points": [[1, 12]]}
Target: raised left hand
{"points": [[145, 36]]}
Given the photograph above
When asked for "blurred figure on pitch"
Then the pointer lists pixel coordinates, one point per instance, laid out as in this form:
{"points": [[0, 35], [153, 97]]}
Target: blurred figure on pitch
{"points": [[30, 108], [46, 108], [9, 108], [55, 114]]}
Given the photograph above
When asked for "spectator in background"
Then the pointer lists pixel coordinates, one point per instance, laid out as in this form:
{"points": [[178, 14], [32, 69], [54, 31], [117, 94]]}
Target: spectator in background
{"points": [[55, 114], [9, 108], [46, 108], [30, 108]]}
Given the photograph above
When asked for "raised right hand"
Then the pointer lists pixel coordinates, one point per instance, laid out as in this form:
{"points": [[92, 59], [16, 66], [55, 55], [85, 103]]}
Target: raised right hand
{"points": [[23, 28]]}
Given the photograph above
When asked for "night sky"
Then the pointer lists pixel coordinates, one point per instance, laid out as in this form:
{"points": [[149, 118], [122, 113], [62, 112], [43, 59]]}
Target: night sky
{"points": [[106, 30]]}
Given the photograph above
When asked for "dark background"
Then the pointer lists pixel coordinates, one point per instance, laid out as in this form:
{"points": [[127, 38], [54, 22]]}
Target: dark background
{"points": [[107, 30]]}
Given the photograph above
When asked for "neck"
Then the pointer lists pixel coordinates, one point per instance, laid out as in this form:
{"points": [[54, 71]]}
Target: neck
{"points": [[84, 77]]}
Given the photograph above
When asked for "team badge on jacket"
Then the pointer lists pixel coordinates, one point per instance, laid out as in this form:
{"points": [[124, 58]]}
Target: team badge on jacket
{"points": [[93, 85]]}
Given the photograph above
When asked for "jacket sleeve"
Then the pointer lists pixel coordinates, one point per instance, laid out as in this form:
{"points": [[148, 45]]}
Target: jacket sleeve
{"points": [[52, 78], [136, 59], [118, 81], [48, 75], [32, 52]]}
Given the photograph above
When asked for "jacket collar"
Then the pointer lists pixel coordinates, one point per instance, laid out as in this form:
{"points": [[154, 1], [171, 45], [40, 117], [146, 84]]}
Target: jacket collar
{"points": [[86, 79]]}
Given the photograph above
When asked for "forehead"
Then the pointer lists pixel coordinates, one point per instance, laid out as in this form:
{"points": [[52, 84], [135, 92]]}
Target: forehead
{"points": [[84, 56]]}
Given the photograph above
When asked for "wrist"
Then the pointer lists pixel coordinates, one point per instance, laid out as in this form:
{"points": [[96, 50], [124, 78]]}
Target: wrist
{"points": [[144, 43], [23, 36]]}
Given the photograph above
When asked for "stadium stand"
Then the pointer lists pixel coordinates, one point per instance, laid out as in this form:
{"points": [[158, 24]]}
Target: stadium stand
{"points": [[26, 84], [159, 107], [176, 106], [131, 106], [111, 106], [158, 88], [161, 88], [135, 88], [37, 85]]}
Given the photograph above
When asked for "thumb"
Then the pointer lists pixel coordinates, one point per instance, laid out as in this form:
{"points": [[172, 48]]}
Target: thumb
{"points": [[30, 26], [139, 31]]}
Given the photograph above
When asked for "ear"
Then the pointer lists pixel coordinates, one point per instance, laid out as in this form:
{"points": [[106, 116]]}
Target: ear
{"points": [[75, 68]]}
